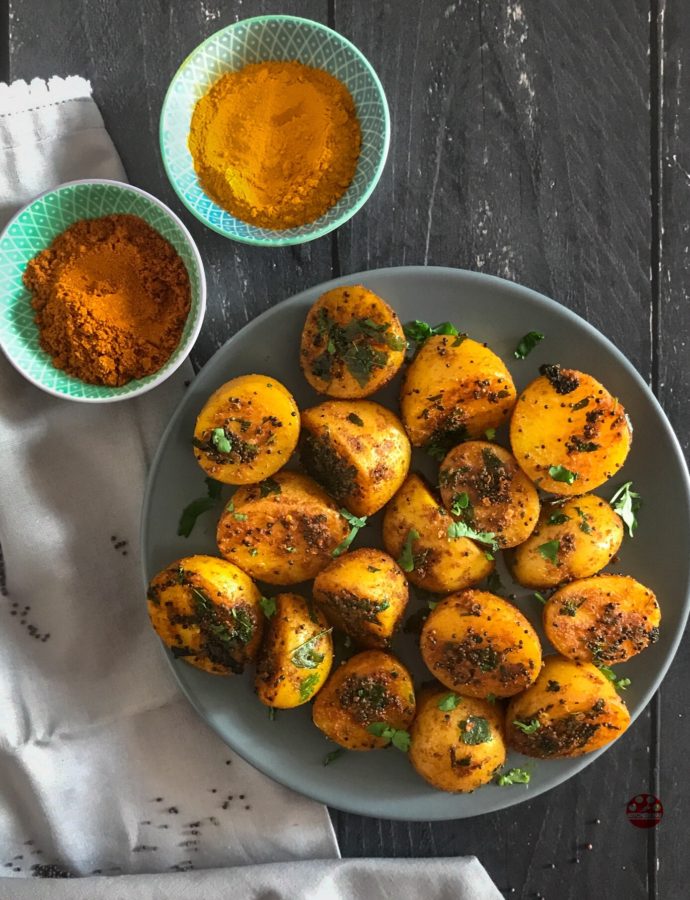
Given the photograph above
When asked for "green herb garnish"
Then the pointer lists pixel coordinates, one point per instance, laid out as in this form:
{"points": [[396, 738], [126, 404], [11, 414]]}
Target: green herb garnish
{"points": [[584, 521], [306, 655], [191, 513], [269, 486], [558, 518], [355, 419], [220, 440], [396, 736], [460, 503], [355, 522], [490, 434], [527, 344], [528, 727], [620, 684], [494, 582], [333, 755], [626, 503], [307, 686], [268, 605], [213, 488], [560, 473], [540, 597], [549, 551], [475, 730], [406, 558], [448, 702], [512, 776], [462, 529], [418, 332]]}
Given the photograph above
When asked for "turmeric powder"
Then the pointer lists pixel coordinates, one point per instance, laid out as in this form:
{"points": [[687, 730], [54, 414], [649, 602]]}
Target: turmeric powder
{"points": [[276, 143], [111, 297]]}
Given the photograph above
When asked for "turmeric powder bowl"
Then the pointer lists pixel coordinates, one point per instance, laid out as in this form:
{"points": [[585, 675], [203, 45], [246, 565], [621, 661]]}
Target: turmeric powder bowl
{"points": [[67, 211], [257, 48]]}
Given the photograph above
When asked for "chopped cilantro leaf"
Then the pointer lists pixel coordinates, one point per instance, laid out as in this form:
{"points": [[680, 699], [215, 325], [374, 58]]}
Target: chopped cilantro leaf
{"points": [[620, 684], [355, 522], [560, 473], [462, 529], [396, 736], [418, 332], [626, 503], [475, 730], [406, 558], [549, 550], [558, 518], [269, 486], [459, 503], [268, 605], [306, 656], [512, 776], [448, 701], [527, 727], [220, 440], [307, 686]]}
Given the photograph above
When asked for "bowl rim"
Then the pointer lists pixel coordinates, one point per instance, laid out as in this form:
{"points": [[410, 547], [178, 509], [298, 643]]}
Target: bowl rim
{"points": [[183, 349], [347, 214]]}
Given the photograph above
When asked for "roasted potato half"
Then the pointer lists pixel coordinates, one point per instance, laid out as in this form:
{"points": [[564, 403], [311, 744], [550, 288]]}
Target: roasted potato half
{"points": [[603, 620], [415, 533], [247, 430], [479, 644], [208, 612], [482, 484], [357, 450], [571, 709], [456, 742], [296, 654], [283, 530], [352, 343], [370, 688], [454, 388], [568, 433], [574, 539], [363, 593]]}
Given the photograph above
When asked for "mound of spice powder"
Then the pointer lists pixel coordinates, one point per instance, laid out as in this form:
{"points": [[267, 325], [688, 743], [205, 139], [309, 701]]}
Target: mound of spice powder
{"points": [[276, 143], [111, 297]]}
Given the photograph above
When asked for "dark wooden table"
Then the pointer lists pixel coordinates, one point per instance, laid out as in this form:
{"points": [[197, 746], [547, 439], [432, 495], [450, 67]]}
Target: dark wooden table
{"points": [[545, 141]]}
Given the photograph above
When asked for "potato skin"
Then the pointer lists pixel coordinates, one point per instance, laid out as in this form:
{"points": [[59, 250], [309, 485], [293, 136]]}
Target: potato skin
{"points": [[441, 564], [207, 611], [479, 644], [566, 418], [363, 593], [587, 541], [502, 498], [605, 619], [284, 537], [454, 388], [370, 687], [357, 450], [438, 752], [281, 682], [261, 420], [577, 707], [342, 318]]}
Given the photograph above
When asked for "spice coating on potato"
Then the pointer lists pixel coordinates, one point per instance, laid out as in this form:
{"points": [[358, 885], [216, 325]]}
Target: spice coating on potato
{"points": [[363, 593], [571, 709], [207, 611], [357, 450], [483, 485], [454, 388], [282, 530], [479, 644], [352, 343], [566, 419], [456, 749], [574, 539], [247, 430], [604, 620], [369, 688], [415, 533], [296, 655]]}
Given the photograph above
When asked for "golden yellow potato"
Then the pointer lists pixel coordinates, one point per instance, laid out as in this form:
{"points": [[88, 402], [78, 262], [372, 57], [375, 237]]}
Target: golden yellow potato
{"points": [[483, 485], [415, 533], [247, 430], [283, 530], [370, 688], [454, 388], [568, 433], [574, 539], [571, 709], [479, 644], [363, 593], [296, 654], [208, 612], [457, 742], [604, 620], [352, 343], [357, 450]]}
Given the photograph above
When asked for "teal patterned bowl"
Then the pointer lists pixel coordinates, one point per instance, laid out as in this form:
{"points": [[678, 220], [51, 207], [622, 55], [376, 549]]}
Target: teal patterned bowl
{"points": [[258, 40], [33, 229]]}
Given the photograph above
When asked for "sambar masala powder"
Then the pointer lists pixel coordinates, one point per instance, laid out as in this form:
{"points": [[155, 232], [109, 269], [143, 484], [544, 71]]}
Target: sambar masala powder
{"points": [[111, 297], [276, 143]]}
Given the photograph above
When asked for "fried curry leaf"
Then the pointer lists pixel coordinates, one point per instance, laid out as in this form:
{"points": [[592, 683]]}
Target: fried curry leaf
{"points": [[527, 344]]}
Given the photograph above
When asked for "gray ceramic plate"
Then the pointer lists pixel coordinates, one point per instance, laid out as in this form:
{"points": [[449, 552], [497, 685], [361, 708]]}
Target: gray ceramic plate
{"points": [[289, 748]]}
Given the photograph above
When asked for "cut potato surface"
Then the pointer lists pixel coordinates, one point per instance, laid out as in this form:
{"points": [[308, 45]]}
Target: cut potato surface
{"points": [[370, 688], [454, 389], [357, 450], [283, 530], [568, 433], [457, 742], [296, 654], [479, 644], [604, 620], [247, 430], [352, 343], [574, 539], [483, 485], [571, 709], [208, 612]]}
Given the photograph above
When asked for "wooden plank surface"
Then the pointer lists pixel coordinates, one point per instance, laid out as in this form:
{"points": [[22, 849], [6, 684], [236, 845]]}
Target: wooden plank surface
{"points": [[524, 146]]}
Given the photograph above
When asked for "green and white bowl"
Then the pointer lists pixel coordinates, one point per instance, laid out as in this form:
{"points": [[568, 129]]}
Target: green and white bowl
{"points": [[258, 40], [33, 229]]}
